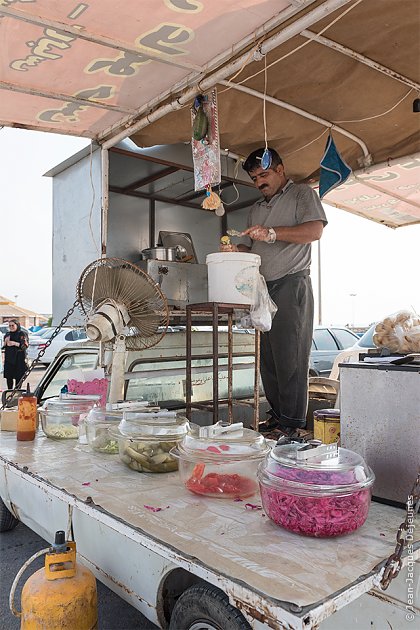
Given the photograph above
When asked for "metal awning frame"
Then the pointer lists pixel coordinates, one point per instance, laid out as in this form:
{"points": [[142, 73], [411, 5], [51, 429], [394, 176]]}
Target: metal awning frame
{"points": [[109, 138], [131, 190], [190, 87], [205, 77]]}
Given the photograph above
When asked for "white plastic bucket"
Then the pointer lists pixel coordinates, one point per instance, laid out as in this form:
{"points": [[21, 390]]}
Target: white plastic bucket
{"points": [[232, 277]]}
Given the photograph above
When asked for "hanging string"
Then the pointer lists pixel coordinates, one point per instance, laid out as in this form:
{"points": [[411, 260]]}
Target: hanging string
{"points": [[245, 63], [235, 175], [90, 225], [327, 130], [93, 200], [376, 115], [265, 103]]}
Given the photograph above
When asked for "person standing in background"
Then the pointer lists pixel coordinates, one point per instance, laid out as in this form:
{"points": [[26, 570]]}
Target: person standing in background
{"points": [[281, 228], [15, 344]]}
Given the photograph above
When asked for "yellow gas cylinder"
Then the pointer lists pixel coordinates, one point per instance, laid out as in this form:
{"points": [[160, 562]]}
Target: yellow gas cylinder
{"points": [[62, 595]]}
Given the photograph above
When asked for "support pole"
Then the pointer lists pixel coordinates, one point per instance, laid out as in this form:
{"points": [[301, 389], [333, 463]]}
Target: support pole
{"points": [[319, 285]]}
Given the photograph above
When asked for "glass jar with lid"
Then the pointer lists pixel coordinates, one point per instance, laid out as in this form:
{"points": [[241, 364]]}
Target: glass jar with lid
{"points": [[146, 439], [99, 424], [315, 489], [221, 461], [60, 416]]}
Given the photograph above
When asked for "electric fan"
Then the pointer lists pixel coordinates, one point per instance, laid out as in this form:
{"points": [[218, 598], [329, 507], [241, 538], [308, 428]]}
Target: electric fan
{"points": [[124, 309]]}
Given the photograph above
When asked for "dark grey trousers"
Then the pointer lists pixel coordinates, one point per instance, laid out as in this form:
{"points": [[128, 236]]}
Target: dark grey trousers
{"points": [[285, 349]]}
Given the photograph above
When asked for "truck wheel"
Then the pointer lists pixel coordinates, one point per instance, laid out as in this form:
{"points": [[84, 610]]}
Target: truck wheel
{"points": [[205, 607], [7, 520]]}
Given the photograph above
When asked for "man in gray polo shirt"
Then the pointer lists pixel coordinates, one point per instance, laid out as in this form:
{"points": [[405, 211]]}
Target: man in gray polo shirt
{"points": [[281, 228]]}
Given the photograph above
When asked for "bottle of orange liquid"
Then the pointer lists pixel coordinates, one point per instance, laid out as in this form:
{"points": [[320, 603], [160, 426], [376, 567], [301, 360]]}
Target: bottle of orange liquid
{"points": [[26, 424]]}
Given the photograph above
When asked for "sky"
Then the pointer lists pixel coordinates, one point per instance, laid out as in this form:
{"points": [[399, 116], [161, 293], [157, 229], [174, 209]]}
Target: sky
{"points": [[368, 271]]}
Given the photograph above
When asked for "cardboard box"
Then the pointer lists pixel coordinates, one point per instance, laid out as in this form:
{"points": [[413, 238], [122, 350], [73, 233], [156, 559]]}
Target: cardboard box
{"points": [[9, 419]]}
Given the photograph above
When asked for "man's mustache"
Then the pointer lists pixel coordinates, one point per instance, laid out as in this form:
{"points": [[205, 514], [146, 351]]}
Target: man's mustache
{"points": [[262, 186]]}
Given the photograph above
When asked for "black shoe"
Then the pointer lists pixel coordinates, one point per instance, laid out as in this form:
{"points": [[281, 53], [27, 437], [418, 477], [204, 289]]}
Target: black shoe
{"points": [[290, 434], [268, 426]]}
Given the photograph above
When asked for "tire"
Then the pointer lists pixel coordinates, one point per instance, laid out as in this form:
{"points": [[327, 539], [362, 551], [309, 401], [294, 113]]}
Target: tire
{"points": [[67, 363], [205, 607], [7, 520]]}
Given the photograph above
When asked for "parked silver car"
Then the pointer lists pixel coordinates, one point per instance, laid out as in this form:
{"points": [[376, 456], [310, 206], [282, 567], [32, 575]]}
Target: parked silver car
{"points": [[327, 343]]}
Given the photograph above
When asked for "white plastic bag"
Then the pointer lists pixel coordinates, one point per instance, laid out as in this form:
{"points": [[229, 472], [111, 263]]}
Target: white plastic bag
{"points": [[399, 332], [264, 309]]}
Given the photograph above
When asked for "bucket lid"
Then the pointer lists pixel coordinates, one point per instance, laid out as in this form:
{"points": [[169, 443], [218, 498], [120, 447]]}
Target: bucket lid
{"points": [[234, 256]]}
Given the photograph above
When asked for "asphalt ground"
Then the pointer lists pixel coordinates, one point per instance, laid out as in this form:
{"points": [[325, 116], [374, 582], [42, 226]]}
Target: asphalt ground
{"points": [[18, 545], [33, 379]]}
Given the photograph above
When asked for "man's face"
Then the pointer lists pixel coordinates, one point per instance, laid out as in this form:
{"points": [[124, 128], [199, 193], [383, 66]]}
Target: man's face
{"points": [[268, 182]]}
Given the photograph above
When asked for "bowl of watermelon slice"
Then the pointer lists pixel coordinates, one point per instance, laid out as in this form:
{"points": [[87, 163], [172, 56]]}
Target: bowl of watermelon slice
{"points": [[221, 461]]}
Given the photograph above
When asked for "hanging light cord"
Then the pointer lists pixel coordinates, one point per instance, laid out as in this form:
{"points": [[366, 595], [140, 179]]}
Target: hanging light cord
{"points": [[376, 115], [265, 103], [235, 175], [327, 130]]}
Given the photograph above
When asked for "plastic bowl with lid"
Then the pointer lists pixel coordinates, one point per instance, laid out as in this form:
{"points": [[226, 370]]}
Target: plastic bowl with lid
{"points": [[221, 460], [60, 415], [315, 489], [146, 439], [99, 423]]}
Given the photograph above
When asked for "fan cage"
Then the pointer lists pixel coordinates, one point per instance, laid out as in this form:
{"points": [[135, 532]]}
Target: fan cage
{"points": [[125, 283]]}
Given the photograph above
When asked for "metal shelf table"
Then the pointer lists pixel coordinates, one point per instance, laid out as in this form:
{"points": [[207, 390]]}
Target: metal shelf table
{"points": [[217, 311]]}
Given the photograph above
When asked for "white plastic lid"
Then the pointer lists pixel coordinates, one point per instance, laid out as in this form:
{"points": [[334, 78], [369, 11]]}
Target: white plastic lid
{"points": [[222, 442], [99, 415], [162, 424], [70, 403], [317, 468], [234, 256]]}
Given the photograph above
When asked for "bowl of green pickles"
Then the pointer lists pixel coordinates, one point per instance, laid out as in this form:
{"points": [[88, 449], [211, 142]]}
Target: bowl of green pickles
{"points": [[146, 439]]}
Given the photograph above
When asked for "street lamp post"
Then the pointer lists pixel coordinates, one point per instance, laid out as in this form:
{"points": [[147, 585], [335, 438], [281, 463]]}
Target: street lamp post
{"points": [[319, 285], [353, 308]]}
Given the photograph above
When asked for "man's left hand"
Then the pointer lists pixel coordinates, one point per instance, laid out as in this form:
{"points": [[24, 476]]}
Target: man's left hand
{"points": [[258, 233]]}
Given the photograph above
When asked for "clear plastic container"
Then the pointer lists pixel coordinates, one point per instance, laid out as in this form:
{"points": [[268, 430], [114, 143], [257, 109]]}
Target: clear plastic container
{"points": [[146, 439], [99, 423], [221, 460], [315, 489], [60, 416]]}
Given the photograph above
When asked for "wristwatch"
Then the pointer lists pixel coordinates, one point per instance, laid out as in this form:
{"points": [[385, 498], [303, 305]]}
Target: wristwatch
{"points": [[272, 236]]}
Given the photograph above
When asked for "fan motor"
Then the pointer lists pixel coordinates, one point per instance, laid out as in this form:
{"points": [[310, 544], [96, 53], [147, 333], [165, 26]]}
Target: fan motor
{"points": [[108, 321]]}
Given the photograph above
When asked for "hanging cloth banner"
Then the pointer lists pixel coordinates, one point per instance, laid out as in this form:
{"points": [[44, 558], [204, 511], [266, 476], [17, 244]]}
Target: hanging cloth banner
{"points": [[334, 170], [205, 142]]}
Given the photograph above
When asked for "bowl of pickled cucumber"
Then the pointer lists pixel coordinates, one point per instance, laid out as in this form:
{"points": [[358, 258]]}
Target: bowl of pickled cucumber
{"points": [[146, 439]]}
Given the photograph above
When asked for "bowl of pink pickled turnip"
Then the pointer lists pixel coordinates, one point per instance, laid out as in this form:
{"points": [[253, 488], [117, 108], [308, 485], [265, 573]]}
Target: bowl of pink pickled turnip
{"points": [[315, 489]]}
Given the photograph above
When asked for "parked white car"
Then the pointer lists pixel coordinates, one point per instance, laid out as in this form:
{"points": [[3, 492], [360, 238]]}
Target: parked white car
{"points": [[35, 336], [351, 355], [66, 337]]}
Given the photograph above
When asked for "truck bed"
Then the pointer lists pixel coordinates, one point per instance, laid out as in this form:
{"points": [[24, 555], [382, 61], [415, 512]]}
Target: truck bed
{"points": [[262, 567]]}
